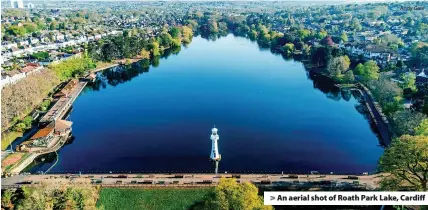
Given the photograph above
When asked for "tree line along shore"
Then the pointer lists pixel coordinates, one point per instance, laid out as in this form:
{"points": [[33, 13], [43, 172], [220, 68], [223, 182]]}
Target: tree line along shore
{"points": [[410, 127]]}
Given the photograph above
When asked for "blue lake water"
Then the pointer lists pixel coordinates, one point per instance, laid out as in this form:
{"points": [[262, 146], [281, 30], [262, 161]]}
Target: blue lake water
{"points": [[272, 116]]}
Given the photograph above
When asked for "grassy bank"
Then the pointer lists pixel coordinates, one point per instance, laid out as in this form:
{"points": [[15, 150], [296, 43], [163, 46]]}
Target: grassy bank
{"points": [[8, 138], [116, 198]]}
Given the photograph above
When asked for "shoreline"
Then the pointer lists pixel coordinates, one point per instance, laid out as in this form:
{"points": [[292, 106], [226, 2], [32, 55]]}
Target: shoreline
{"points": [[134, 60], [376, 114], [22, 164]]}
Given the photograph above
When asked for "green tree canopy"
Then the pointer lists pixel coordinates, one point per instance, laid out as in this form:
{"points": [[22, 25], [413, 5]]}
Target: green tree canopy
{"points": [[368, 71], [422, 128], [288, 48], [154, 48], [228, 194], [406, 121], [406, 162], [409, 80], [387, 93], [337, 67], [165, 40], [16, 30], [145, 54], [187, 34], [175, 32], [344, 37]]}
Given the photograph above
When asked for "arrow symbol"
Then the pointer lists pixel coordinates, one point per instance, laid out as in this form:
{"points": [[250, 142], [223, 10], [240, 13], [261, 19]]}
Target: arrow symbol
{"points": [[272, 198]]}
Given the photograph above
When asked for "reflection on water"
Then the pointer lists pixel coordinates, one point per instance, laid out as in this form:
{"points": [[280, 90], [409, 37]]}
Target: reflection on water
{"points": [[125, 73], [153, 116]]}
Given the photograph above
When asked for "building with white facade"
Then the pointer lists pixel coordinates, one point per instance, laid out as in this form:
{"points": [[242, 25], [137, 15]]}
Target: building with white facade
{"points": [[16, 4]]}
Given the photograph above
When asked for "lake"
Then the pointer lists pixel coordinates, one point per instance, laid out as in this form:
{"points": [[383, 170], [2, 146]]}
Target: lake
{"points": [[271, 113]]}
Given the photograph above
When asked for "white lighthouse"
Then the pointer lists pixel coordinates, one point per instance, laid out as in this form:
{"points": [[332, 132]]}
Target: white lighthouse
{"points": [[214, 149]]}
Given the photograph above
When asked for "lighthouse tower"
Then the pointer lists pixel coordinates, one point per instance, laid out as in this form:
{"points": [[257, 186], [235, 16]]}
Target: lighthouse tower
{"points": [[214, 149]]}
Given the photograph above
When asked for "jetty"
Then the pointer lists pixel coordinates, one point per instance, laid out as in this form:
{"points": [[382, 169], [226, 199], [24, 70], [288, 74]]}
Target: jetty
{"points": [[66, 97], [53, 130]]}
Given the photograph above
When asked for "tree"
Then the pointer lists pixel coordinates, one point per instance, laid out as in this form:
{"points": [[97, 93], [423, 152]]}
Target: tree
{"points": [[303, 33], [387, 93], [62, 197], [19, 99], [30, 27], [72, 67], [344, 37], [321, 55], [165, 40], [187, 34], [176, 42], [338, 66], [288, 48], [422, 128], [228, 194], [53, 25], [370, 71], [34, 199], [348, 77], [321, 34], [252, 34], [327, 41], [400, 64], [154, 48], [6, 197], [145, 54], [406, 121], [175, 32], [16, 30], [359, 69], [356, 24], [420, 53], [212, 26], [409, 80], [405, 161]]}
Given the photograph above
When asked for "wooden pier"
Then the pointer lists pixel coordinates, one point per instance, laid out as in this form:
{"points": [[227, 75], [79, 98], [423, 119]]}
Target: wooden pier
{"points": [[52, 118]]}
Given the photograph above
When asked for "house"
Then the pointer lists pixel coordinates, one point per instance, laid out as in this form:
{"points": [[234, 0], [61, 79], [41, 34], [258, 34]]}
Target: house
{"points": [[11, 77], [59, 37], [382, 55], [8, 45], [34, 40], [16, 51], [22, 42], [354, 49], [421, 78], [31, 68], [43, 137]]}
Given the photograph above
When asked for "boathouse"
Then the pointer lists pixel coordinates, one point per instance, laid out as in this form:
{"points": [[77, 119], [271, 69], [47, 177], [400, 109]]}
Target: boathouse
{"points": [[43, 136]]}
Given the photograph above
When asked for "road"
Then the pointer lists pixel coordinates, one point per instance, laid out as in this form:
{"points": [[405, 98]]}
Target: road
{"points": [[371, 181]]}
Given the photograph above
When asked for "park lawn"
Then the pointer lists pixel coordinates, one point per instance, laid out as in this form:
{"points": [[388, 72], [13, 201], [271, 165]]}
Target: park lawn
{"points": [[7, 138], [153, 199]]}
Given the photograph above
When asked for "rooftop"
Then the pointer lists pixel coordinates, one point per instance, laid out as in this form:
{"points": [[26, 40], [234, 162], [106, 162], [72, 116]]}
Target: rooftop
{"points": [[43, 132]]}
